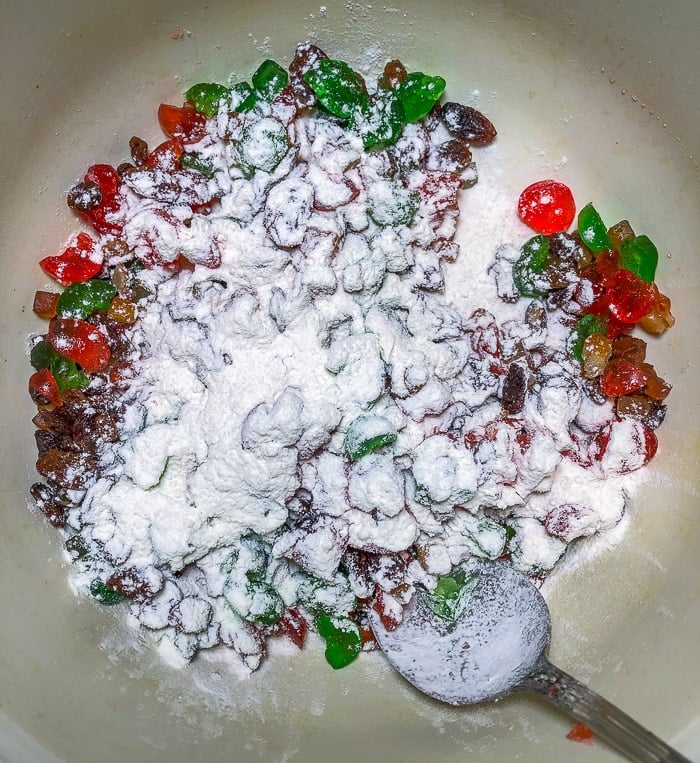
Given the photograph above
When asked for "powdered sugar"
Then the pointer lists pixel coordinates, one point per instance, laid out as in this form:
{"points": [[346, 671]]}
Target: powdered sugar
{"points": [[328, 313]]}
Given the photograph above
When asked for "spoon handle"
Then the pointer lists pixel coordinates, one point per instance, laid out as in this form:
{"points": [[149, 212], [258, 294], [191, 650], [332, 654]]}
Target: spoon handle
{"points": [[603, 718]]}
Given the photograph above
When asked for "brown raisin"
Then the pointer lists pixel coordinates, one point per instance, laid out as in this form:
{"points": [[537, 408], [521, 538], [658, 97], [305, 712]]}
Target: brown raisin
{"points": [[394, 74], [468, 123], [130, 583], [452, 156], [48, 503], [70, 470], [514, 389], [139, 150], [84, 196]]}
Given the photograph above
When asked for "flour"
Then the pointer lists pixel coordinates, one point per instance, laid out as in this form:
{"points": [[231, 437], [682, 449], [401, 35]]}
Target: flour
{"points": [[341, 397]]}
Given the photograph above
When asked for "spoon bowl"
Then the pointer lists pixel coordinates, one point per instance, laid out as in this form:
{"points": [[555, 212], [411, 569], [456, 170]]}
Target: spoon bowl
{"points": [[493, 642]]}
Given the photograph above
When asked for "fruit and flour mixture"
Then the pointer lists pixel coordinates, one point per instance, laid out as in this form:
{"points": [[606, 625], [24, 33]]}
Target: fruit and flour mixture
{"points": [[258, 412]]}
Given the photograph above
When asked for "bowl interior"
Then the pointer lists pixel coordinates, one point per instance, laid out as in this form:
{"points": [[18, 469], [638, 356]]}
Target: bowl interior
{"points": [[607, 104]]}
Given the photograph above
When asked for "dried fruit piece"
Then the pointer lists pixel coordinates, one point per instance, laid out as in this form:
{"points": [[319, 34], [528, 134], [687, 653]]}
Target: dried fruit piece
{"points": [[468, 123], [81, 342], [656, 388], [45, 303], [78, 262], [621, 377], [43, 388], [393, 75], [630, 348], [338, 88], [659, 318], [547, 206], [586, 325], [595, 354], [107, 596], [620, 232], [343, 639], [418, 94], [514, 389], [530, 265], [123, 310], [139, 150], [183, 123], [84, 196], [640, 256], [207, 97], [592, 229], [630, 298], [268, 79], [80, 300]]}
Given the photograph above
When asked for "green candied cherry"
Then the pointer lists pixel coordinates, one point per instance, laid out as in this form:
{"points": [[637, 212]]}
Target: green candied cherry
{"points": [[262, 146], [530, 264], [592, 229], [343, 639], [389, 203], [195, 162], [65, 371], [41, 355], [418, 94], [367, 434], [586, 325], [640, 256], [379, 120], [338, 88], [269, 78], [80, 300], [68, 375], [76, 547], [207, 97], [451, 594], [267, 606], [107, 596], [243, 97]]}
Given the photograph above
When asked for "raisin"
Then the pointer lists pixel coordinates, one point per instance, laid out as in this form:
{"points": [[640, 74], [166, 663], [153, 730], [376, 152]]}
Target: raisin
{"points": [[90, 432], [514, 389], [452, 156], [84, 197], [115, 248], [47, 503], [536, 316], [468, 123], [394, 74], [139, 151], [654, 418], [46, 440], [68, 469], [125, 169], [130, 584]]}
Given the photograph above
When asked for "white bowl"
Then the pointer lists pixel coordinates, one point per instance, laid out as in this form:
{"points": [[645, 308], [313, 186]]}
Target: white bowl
{"points": [[613, 88]]}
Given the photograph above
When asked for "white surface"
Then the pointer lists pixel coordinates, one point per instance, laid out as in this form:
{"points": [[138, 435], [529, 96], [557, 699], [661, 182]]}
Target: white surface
{"points": [[85, 77]]}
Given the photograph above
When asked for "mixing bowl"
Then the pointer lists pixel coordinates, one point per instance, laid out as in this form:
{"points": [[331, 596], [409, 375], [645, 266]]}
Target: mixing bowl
{"points": [[602, 95]]}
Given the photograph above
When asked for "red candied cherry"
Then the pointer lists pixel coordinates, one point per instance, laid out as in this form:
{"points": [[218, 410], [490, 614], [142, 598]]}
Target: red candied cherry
{"points": [[184, 123], [621, 377], [630, 298], [80, 341], [547, 206]]}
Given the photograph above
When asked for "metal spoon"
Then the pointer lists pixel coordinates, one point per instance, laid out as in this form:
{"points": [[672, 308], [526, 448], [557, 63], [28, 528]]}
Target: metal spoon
{"points": [[496, 644]]}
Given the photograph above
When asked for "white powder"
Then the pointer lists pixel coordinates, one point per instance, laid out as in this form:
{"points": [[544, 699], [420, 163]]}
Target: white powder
{"points": [[326, 309]]}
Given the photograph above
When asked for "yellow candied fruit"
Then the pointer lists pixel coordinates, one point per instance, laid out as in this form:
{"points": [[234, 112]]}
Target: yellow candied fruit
{"points": [[660, 318], [122, 310], [620, 232], [595, 354]]}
